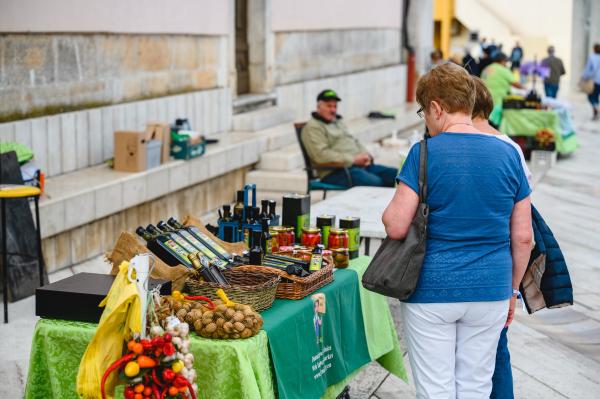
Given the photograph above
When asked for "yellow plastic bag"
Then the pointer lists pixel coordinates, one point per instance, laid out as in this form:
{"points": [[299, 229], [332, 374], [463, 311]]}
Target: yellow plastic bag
{"points": [[120, 320]]}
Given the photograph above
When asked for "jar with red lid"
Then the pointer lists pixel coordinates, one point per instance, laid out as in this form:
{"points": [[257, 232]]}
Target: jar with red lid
{"points": [[338, 238], [311, 236], [285, 236]]}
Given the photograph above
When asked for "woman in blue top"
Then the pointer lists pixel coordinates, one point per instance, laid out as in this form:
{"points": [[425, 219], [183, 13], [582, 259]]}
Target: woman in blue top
{"points": [[478, 241], [592, 71]]}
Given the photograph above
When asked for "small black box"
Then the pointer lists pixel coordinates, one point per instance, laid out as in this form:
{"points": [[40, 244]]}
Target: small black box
{"points": [[77, 297]]}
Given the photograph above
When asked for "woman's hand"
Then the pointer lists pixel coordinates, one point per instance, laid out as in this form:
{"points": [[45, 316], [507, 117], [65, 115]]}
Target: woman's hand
{"points": [[511, 310]]}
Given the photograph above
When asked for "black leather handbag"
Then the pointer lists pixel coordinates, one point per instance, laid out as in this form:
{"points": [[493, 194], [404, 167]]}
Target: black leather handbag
{"points": [[394, 270]]}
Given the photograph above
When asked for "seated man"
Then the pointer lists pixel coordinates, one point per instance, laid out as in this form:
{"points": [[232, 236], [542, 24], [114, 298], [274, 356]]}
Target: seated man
{"points": [[328, 143]]}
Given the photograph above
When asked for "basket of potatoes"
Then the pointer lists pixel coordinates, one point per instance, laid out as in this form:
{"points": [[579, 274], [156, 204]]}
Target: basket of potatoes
{"points": [[222, 322]]}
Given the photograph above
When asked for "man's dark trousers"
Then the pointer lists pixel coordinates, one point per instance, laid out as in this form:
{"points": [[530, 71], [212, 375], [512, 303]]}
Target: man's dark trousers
{"points": [[372, 175]]}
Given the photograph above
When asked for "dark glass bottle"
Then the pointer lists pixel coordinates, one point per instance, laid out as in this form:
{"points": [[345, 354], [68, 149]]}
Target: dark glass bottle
{"points": [[210, 272], [272, 205], [266, 240], [264, 211], [226, 218], [316, 259], [203, 238], [164, 247], [196, 243], [256, 252], [238, 207], [189, 248]]}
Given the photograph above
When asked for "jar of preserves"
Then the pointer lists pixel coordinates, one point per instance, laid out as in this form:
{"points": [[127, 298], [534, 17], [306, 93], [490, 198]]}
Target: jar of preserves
{"points": [[341, 257], [311, 236], [285, 236], [338, 238]]}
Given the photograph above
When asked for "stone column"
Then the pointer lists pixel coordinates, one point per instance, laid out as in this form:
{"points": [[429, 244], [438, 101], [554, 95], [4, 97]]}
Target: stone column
{"points": [[261, 41], [420, 32]]}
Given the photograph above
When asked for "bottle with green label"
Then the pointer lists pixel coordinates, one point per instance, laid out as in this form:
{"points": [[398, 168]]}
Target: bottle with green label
{"points": [[316, 259], [189, 248], [164, 247], [325, 223], [205, 239], [352, 226], [197, 244]]}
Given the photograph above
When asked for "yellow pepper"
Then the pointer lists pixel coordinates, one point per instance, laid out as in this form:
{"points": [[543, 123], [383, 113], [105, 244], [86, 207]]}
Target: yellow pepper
{"points": [[132, 369], [177, 366]]}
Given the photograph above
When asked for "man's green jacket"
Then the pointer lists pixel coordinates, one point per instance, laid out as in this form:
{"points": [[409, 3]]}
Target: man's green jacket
{"points": [[330, 142]]}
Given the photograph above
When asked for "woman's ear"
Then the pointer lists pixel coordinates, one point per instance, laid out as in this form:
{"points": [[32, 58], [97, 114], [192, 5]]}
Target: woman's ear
{"points": [[437, 109]]}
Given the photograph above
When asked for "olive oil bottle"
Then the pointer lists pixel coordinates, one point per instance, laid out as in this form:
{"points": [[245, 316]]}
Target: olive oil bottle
{"points": [[205, 239], [164, 247]]}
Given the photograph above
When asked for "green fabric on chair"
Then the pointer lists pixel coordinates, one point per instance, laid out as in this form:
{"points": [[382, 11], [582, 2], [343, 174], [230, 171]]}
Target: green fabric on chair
{"points": [[24, 153]]}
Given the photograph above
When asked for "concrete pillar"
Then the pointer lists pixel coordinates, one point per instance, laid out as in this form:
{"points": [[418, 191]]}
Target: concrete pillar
{"points": [[261, 42], [585, 33], [231, 70], [420, 32]]}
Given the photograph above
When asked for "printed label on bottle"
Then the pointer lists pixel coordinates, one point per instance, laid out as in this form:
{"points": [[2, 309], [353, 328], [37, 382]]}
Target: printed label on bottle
{"points": [[172, 245], [269, 246], [353, 239], [183, 243], [201, 247], [326, 235], [316, 261], [211, 243], [301, 221]]}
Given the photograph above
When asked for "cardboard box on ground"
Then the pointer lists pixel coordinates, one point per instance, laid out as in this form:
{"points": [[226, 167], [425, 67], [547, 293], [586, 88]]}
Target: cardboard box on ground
{"points": [[128, 245], [135, 151]]}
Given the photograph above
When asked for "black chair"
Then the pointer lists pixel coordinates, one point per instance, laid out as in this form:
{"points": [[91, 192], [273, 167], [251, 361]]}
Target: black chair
{"points": [[313, 182]]}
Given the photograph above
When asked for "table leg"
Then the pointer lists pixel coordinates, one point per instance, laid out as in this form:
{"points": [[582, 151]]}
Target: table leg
{"points": [[4, 261], [39, 241], [367, 245]]}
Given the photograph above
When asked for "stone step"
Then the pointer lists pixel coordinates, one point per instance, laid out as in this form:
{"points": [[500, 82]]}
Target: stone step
{"points": [[276, 181], [285, 159], [262, 119], [253, 101]]}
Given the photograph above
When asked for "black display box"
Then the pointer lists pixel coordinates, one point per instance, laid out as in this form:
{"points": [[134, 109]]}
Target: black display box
{"points": [[77, 297]]}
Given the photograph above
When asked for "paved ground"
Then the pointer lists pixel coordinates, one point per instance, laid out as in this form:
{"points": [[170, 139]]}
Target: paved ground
{"points": [[555, 353]]}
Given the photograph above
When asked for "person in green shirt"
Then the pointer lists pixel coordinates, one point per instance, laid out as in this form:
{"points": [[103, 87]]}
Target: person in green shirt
{"points": [[498, 78], [328, 143]]}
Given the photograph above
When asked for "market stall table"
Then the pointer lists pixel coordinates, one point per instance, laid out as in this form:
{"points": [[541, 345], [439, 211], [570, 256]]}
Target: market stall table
{"points": [[527, 122], [274, 363], [366, 202]]}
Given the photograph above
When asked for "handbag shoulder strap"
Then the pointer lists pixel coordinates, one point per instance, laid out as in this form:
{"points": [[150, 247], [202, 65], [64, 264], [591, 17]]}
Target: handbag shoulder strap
{"points": [[423, 172]]}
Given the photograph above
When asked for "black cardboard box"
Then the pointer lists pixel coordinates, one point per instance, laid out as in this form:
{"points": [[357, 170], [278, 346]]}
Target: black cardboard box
{"points": [[77, 297]]}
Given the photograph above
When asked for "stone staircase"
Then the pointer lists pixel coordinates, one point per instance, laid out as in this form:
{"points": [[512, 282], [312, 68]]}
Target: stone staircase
{"points": [[281, 169]]}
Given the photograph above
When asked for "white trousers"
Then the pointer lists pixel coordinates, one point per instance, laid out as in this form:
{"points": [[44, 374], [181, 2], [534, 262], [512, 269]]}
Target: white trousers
{"points": [[452, 347]]}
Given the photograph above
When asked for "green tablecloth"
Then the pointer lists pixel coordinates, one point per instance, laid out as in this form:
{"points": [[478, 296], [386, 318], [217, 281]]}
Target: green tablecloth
{"points": [[226, 369], [527, 122]]}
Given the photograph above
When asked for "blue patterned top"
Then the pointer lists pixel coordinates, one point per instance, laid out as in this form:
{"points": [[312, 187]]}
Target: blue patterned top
{"points": [[474, 180]]}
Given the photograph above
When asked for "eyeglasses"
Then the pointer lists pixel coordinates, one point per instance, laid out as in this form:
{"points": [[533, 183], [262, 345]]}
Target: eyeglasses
{"points": [[420, 113]]}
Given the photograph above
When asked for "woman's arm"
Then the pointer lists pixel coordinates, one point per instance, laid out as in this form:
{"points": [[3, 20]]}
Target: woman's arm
{"points": [[521, 240], [400, 212]]}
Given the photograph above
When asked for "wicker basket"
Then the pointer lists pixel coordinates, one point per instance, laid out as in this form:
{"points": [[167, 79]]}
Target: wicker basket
{"points": [[255, 289], [294, 287]]}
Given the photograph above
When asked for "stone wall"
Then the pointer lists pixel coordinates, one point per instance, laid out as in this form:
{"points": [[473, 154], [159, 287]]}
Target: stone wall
{"points": [[42, 74], [308, 55], [82, 243], [361, 92]]}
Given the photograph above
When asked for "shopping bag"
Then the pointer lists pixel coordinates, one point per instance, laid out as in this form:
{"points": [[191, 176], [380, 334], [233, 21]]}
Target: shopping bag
{"points": [[586, 85], [122, 317], [395, 269]]}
